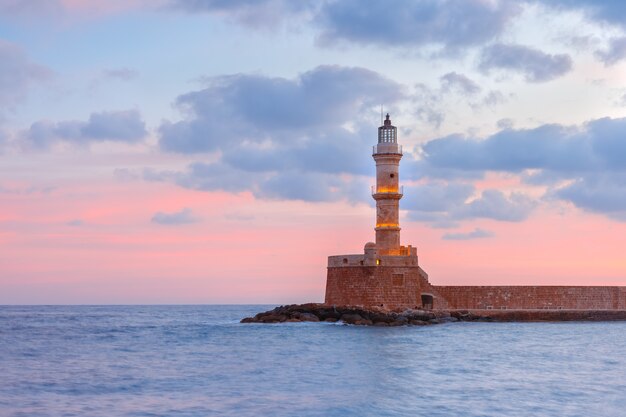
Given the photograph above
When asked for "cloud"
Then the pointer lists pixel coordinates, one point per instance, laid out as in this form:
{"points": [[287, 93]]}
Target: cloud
{"points": [[439, 202], [288, 139], [334, 151], [276, 185], [475, 234], [17, 74], [505, 124], [603, 193], [609, 11], [436, 196], [415, 23], [453, 81], [184, 216], [536, 66], [615, 53], [210, 177], [582, 165], [124, 126], [493, 98], [117, 126], [293, 185], [281, 138], [428, 105], [549, 146], [253, 109], [494, 204]]}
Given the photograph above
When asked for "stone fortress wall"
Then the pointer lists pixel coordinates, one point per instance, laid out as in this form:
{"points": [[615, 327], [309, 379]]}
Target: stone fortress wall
{"points": [[390, 287], [535, 297], [401, 287]]}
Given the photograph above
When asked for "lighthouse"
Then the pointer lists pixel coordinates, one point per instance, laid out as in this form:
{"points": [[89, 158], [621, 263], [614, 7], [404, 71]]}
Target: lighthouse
{"points": [[387, 192], [387, 273]]}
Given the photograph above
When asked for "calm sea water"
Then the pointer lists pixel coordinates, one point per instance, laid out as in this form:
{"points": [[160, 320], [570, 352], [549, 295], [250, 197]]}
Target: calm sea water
{"points": [[199, 361]]}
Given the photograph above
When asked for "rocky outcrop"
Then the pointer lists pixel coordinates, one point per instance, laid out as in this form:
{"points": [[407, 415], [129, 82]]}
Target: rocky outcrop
{"points": [[350, 315], [380, 317]]}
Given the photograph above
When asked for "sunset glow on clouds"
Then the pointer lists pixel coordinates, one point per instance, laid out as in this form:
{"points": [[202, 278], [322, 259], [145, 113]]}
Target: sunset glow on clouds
{"points": [[217, 151]]}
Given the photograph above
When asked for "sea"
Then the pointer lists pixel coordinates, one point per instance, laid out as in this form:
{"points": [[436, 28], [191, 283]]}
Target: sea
{"points": [[198, 360]]}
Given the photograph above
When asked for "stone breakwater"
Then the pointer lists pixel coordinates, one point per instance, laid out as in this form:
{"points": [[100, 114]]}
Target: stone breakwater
{"points": [[416, 317]]}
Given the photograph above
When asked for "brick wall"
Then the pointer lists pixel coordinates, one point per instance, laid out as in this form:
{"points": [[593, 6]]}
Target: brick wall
{"points": [[534, 297], [388, 286], [399, 287]]}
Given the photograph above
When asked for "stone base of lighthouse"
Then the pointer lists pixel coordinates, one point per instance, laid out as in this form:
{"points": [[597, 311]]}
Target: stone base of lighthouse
{"points": [[390, 282]]}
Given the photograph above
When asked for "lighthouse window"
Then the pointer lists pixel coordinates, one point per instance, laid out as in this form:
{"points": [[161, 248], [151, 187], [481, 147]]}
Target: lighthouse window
{"points": [[391, 175]]}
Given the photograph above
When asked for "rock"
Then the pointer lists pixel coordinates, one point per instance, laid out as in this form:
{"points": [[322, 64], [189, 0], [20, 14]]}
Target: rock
{"points": [[400, 321], [418, 315], [273, 318], [463, 315], [380, 317], [328, 313], [293, 320], [439, 320], [308, 317], [350, 318]]}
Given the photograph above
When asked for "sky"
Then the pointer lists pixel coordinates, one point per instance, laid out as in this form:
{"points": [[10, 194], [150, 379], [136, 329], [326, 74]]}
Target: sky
{"points": [[217, 151]]}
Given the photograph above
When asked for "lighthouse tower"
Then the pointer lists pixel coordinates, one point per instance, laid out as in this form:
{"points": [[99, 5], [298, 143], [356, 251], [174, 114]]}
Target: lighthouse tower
{"points": [[387, 192], [387, 274]]}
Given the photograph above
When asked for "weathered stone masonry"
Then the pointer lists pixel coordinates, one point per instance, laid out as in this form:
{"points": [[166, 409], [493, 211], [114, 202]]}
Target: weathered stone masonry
{"points": [[535, 297], [387, 274], [382, 286]]}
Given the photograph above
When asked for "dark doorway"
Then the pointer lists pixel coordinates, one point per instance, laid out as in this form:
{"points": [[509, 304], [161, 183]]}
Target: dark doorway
{"points": [[427, 301]]}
